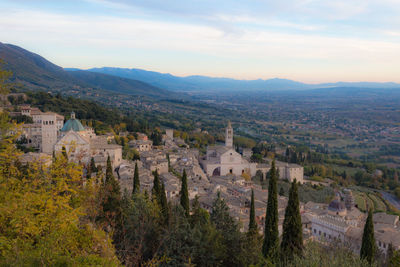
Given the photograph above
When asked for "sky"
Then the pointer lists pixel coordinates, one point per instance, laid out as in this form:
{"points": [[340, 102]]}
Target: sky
{"points": [[310, 41]]}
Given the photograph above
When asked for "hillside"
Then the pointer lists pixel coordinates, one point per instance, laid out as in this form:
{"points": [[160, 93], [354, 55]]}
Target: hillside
{"points": [[36, 73]]}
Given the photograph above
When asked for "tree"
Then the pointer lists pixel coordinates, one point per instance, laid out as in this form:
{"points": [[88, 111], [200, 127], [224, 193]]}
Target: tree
{"points": [[292, 236], [64, 152], [164, 205], [45, 213], [143, 233], [92, 166], [394, 261], [231, 247], [184, 194], [368, 246], [109, 171], [136, 181], [252, 220], [156, 191], [281, 191], [5, 76], [271, 233]]}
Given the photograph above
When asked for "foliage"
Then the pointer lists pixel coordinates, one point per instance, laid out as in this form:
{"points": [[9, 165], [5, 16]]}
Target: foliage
{"points": [[292, 232], [334, 255], [271, 233], [45, 214], [252, 218], [184, 194], [368, 246], [231, 250], [136, 180]]}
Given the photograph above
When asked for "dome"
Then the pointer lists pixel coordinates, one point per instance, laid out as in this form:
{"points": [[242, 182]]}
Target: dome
{"points": [[72, 124], [336, 206]]}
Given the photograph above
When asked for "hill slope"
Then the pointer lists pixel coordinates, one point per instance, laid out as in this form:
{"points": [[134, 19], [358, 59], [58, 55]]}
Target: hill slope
{"points": [[37, 73]]}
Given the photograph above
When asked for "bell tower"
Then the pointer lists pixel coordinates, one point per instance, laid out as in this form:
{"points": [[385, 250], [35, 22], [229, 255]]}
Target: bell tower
{"points": [[229, 135]]}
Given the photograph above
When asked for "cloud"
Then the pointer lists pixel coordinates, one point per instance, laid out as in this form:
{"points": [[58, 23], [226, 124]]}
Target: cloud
{"points": [[238, 41]]}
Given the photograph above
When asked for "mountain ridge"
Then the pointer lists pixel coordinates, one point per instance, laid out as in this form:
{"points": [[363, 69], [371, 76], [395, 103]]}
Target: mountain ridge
{"points": [[37, 73], [206, 83]]}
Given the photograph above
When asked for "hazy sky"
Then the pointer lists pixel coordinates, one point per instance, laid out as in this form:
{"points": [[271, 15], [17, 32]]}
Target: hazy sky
{"points": [[304, 40]]}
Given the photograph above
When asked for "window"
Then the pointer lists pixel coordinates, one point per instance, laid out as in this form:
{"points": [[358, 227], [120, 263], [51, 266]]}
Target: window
{"points": [[315, 231], [319, 233]]}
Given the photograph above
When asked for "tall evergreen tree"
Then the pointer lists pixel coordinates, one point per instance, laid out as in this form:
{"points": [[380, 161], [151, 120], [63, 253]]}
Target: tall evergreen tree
{"points": [[184, 194], [271, 233], [109, 171], [88, 171], [292, 236], [164, 205], [368, 246], [92, 165], [252, 221], [156, 191], [136, 181]]}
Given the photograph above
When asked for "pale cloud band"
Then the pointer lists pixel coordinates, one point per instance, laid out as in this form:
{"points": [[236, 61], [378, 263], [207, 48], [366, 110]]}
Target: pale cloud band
{"points": [[240, 41]]}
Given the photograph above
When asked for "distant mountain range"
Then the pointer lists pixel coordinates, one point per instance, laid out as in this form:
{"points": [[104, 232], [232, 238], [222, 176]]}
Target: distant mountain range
{"points": [[204, 83], [36, 73]]}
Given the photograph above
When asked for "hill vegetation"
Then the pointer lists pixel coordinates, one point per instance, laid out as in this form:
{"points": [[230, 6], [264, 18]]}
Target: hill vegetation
{"points": [[36, 73]]}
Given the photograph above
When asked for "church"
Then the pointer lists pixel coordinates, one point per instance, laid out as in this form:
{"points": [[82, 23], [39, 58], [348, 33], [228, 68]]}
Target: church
{"points": [[82, 143], [224, 160]]}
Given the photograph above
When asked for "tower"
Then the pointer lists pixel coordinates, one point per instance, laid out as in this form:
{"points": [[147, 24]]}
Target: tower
{"points": [[348, 199], [229, 135]]}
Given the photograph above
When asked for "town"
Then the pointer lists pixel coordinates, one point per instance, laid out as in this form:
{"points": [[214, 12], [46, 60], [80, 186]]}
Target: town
{"points": [[221, 170]]}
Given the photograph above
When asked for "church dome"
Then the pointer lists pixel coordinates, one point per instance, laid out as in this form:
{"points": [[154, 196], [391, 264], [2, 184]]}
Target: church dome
{"points": [[72, 124], [336, 205]]}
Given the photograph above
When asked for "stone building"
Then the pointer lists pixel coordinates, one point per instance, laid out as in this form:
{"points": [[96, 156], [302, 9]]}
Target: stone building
{"points": [[141, 145], [345, 224], [287, 171], [224, 160], [43, 133]]}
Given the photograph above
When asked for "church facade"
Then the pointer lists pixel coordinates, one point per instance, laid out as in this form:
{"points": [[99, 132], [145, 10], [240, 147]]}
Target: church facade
{"points": [[224, 160]]}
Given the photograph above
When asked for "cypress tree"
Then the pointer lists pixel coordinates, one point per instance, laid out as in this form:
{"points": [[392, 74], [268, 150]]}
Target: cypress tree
{"points": [[164, 205], [184, 194], [252, 221], [292, 236], [271, 233], [92, 165], [156, 191], [368, 246], [64, 152], [109, 171], [88, 172], [281, 191], [136, 181]]}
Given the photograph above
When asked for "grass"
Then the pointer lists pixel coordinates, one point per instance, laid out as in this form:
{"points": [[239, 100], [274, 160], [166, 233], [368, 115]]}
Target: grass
{"points": [[367, 198]]}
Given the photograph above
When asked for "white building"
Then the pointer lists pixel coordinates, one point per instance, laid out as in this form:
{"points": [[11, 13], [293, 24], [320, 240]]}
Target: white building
{"points": [[224, 160], [82, 144]]}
